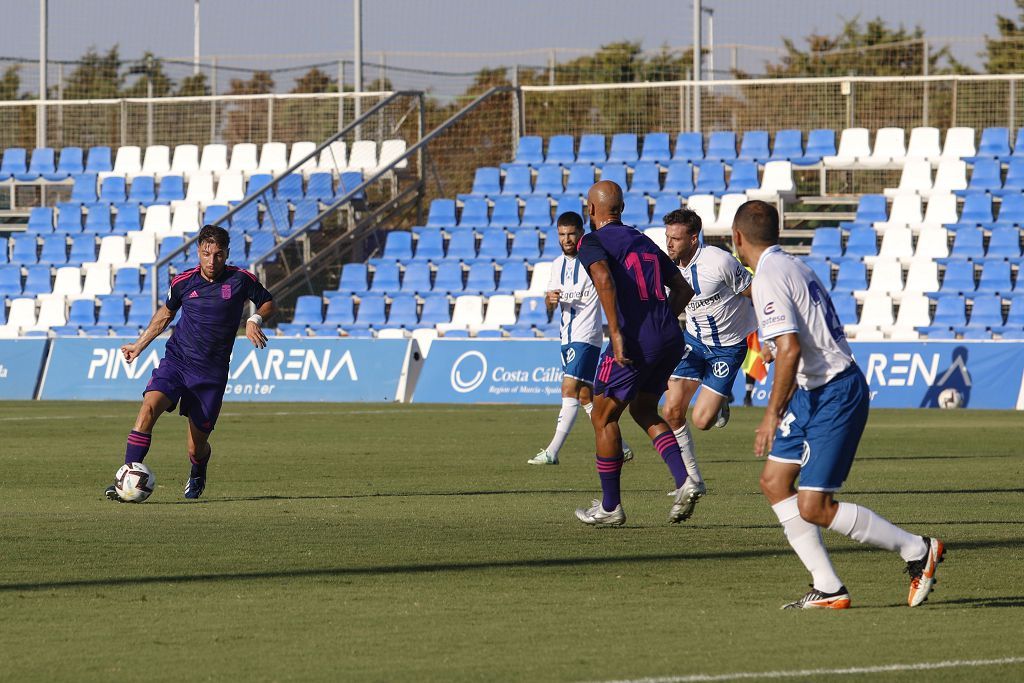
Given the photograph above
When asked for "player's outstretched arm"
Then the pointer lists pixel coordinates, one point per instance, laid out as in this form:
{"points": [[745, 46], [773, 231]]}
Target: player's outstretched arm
{"points": [[679, 292], [254, 325], [157, 324], [787, 356], [601, 276]]}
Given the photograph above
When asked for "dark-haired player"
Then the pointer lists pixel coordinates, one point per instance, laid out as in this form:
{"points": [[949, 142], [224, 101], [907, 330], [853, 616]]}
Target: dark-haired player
{"points": [[194, 369], [815, 418]]}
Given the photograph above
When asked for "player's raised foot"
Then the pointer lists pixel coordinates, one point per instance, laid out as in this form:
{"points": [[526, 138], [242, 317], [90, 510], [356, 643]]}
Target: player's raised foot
{"points": [[816, 599], [723, 416], [543, 458], [922, 572], [111, 494], [627, 453], [195, 487], [686, 497], [596, 515]]}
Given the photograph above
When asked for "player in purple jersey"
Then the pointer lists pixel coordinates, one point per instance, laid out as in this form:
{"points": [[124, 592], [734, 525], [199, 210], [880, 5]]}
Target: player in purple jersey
{"points": [[630, 273], [194, 370]]}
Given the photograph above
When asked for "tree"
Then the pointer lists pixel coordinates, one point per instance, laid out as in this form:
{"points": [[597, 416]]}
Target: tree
{"points": [[96, 76], [314, 81], [247, 119], [1004, 54], [10, 83], [150, 69], [193, 86]]}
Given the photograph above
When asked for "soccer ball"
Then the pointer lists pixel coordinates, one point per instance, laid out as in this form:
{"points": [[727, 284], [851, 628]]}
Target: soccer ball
{"points": [[135, 482], [950, 398]]}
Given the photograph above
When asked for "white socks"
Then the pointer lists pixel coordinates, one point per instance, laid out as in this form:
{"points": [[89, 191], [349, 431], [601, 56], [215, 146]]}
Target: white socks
{"points": [[685, 441], [566, 418], [805, 539], [864, 526]]}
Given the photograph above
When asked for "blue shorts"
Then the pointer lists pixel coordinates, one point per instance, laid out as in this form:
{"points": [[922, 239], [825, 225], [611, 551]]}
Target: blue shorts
{"points": [[200, 396], [715, 367], [644, 376], [821, 430], [579, 361]]}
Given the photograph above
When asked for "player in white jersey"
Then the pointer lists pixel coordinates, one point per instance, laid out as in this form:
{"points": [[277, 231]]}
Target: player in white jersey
{"points": [[582, 332], [815, 417], [717, 321]]}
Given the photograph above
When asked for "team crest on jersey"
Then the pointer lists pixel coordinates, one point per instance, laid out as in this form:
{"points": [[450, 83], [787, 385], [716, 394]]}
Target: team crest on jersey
{"points": [[720, 368], [225, 291]]}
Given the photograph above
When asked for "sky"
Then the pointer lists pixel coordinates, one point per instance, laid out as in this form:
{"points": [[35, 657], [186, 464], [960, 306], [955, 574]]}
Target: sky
{"points": [[316, 28]]}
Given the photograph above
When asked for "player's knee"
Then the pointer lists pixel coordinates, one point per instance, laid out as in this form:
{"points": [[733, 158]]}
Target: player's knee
{"points": [[703, 421], [814, 512], [674, 415]]}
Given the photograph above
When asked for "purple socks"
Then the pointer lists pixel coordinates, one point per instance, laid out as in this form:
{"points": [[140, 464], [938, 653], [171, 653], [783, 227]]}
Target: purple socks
{"points": [[199, 464], [138, 446], [668, 447], [609, 469]]}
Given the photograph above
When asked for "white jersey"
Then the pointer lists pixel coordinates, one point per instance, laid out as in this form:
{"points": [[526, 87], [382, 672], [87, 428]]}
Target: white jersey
{"points": [[578, 302], [789, 297], [718, 314]]}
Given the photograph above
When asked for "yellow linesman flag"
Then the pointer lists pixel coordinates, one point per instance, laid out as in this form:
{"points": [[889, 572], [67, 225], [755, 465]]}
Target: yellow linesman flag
{"points": [[753, 364]]}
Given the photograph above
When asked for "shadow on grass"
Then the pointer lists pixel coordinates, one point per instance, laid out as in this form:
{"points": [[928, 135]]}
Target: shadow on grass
{"points": [[438, 567], [992, 601], [390, 494], [868, 492]]}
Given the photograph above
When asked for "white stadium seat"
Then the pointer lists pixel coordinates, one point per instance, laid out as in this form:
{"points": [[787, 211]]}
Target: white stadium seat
{"points": [[243, 159], [127, 163], [230, 188], [157, 162], [905, 212], [200, 189], [853, 145], [657, 236], [538, 281], [158, 219], [67, 284], [300, 150], [915, 179], [185, 162], [932, 243], [959, 143], [704, 206], [941, 211], [391, 150], [142, 249], [951, 175], [913, 313], [112, 251], [21, 317], [424, 336], [875, 315], [363, 156], [886, 277], [186, 218], [333, 158], [392, 333], [922, 278], [214, 159], [726, 212], [52, 313], [501, 311], [468, 314], [273, 158], [897, 243], [776, 180], [889, 151], [924, 144], [97, 279]]}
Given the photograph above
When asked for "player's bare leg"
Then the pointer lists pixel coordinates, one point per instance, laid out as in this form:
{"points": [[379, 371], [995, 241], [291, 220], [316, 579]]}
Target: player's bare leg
{"points": [[154, 404], [199, 453], [608, 442]]}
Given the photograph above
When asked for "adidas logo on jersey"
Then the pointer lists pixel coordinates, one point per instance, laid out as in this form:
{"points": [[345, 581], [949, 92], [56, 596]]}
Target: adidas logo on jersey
{"points": [[193, 295]]}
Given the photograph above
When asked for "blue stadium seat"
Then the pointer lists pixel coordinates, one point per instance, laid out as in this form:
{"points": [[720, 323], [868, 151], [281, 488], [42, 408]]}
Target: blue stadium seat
{"points": [[97, 220], [821, 268], [69, 217], [359, 333], [986, 312], [140, 310], [518, 181], [23, 249], [995, 278], [37, 281], [14, 163], [754, 147], [305, 211], [172, 189], [505, 212], [3, 253], [398, 245], [436, 310], [615, 173], [679, 179], [994, 144], [561, 150], [1015, 317], [689, 147], [958, 278], [821, 142], [54, 251], [113, 189], [112, 311], [340, 311], [1011, 211], [128, 218], [986, 176], [1014, 183], [721, 146], [827, 243], [481, 278], [533, 312], [664, 204], [308, 310], [493, 246], [949, 313], [710, 178], [743, 177], [967, 244], [83, 249], [646, 178], [246, 217], [416, 278], [569, 202], [354, 279], [42, 162], [789, 145], [512, 277], [549, 180], [259, 244], [871, 209], [99, 160], [385, 278], [429, 244], [656, 148], [10, 281], [525, 246], [142, 191], [636, 211], [552, 249], [214, 212], [349, 181], [290, 187], [275, 216], [256, 183], [40, 220], [1004, 243], [127, 281], [846, 307], [863, 241], [172, 243], [320, 187], [975, 334], [529, 150], [371, 311], [403, 311], [592, 149], [623, 149], [462, 246], [852, 276], [442, 214], [84, 188], [71, 163], [581, 177], [448, 277], [537, 212], [484, 334]]}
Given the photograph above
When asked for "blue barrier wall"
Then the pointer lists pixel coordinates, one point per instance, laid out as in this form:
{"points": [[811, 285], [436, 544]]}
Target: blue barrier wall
{"points": [[287, 370], [20, 362]]}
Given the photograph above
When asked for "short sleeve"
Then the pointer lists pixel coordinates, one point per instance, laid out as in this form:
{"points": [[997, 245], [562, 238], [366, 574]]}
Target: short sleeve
{"points": [[591, 251], [739, 278], [553, 276], [776, 314], [258, 294], [173, 301]]}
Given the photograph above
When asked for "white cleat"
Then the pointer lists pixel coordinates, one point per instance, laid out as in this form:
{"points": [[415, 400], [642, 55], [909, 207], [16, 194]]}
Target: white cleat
{"points": [[627, 453], [686, 497], [922, 572], [598, 516], [723, 416], [543, 458]]}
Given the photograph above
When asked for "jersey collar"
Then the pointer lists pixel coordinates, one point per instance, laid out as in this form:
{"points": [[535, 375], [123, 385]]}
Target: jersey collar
{"points": [[770, 250]]}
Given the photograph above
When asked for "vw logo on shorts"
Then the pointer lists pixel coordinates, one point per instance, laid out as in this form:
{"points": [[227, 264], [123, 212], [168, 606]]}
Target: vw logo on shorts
{"points": [[476, 370], [720, 368], [570, 355]]}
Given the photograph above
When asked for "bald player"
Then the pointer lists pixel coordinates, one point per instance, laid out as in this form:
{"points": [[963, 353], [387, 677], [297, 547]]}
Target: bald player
{"points": [[815, 417], [630, 273]]}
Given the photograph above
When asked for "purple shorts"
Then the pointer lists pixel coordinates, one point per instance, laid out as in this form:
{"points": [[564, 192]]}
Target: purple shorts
{"points": [[200, 396], [644, 376]]}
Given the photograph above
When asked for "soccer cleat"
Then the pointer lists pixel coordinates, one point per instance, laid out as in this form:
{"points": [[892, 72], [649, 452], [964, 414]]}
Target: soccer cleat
{"points": [[195, 487], [598, 516], [686, 497], [816, 599], [111, 494], [922, 572], [543, 458], [627, 453], [723, 416]]}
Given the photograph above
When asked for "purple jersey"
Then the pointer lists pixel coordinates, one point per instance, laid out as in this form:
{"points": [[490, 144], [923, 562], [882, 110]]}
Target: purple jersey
{"points": [[210, 313], [640, 270]]}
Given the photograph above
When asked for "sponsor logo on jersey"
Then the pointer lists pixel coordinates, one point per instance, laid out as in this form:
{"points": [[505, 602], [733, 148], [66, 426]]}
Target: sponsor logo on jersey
{"points": [[720, 368], [769, 308], [193, 295]]}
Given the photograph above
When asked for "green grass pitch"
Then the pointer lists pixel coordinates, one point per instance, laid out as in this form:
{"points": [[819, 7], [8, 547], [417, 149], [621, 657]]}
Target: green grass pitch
{"points": [[384, 543]]}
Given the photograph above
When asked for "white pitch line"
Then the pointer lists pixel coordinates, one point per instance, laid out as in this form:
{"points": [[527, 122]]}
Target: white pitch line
{"points": [[280, 413], [814, 673]]}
